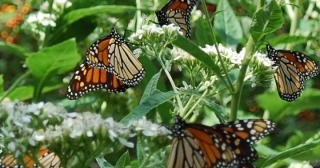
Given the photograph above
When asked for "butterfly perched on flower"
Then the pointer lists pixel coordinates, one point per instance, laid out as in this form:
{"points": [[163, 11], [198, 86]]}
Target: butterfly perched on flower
{"points": [[87, 79], [113, 54], [46, 159], [220, 146], [177, 12], [292, 69]]}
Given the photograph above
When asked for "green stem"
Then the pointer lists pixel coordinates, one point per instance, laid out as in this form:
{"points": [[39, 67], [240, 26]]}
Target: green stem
{"points": [[15, 84], [39, 88], [174, 87], [214, 39], [195, 104], [236, 97], [240, 81], [138, 14], [187, 105], [294, 23]]}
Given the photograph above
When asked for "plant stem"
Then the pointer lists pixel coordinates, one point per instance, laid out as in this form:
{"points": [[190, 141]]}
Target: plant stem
{"points": [[294, 23], [195, 104], [214, 39], [174, 87], [240, 81], [236, 97], [138, 14], [187, 105], [15, 84]]}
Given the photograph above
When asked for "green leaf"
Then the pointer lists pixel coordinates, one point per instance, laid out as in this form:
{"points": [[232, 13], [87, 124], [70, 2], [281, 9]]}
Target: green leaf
{"points": [[1, 84], [201, 32], [151, 86], [199, 54], [287, 39], [54, 60], [306, 147], [140, 151], [266, 21], [279, 108], [150, 103], [227, 24], [13, 49], [123, 160], [78, 14], [103, 163], [22, 93]]}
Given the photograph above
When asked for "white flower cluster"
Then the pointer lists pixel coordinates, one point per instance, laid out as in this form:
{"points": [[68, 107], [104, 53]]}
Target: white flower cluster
{"points": [[148, 128], [154, 30], [235, 57], [38, 21], [20, 128], [300, 165], [179, 54]]}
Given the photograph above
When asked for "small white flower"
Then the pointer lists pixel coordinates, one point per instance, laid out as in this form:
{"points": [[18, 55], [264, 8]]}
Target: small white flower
{"points": [[137, 52], [180, 54], [300, 165]]}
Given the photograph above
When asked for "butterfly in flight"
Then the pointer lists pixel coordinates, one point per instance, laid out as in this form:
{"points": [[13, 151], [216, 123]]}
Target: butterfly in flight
{"points": [[292, 69], [46, 159], [220, 146], [87, 79], [177, 12], [113, 54]]}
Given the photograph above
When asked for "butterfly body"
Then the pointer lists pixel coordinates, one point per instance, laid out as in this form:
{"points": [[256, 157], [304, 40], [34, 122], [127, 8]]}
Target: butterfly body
{"points": [[113, 54], [177, 12], [221, 146], [292, 69]]}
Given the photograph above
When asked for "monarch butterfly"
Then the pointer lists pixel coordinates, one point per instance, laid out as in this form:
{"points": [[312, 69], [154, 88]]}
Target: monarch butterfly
{"points": [[46, 158], [293, 68], [177, 12], [113, 54], [87, 78], [221, 146]]}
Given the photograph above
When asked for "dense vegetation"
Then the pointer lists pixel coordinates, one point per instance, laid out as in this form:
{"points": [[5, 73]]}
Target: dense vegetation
{"points": [[42, 42]]}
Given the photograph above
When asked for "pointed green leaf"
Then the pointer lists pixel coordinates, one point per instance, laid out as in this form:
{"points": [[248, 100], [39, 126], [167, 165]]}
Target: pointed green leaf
{"points": [[150, 103], [151, 86], [123, 160], [103, 163]]}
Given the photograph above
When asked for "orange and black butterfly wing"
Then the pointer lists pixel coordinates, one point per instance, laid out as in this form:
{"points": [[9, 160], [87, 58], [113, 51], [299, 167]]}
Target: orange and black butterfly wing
{"points": [[305, 65], [292, 68], [113, 54], [88, 79], [221, 146], [289, 83], [46, 159], [177, 12], [240, 135]]}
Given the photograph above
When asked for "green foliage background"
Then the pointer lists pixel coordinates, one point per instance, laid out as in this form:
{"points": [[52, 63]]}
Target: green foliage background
{"points": [[34, 71]]}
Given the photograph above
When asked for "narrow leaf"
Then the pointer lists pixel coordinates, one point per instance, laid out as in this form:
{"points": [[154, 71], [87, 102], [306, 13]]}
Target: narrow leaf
{"points": [[196, 52], [103, 163], [150, 103], [78, 14], [1, 84], [123, 160], [151, 87]]}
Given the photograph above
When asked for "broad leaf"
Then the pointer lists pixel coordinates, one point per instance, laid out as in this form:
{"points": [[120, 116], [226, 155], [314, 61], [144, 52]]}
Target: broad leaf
{"points": [[227, 24], [54, 60], [266, 21], [103, 163]]}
